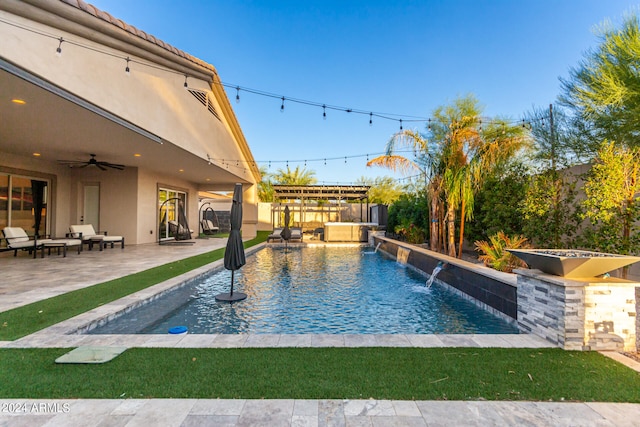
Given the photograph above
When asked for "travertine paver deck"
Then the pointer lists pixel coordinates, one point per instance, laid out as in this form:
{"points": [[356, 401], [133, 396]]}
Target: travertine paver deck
{"points": [[26, 280]]}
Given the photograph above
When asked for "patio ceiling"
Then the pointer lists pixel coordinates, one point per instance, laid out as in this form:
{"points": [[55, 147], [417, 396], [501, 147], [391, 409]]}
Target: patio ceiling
{"points": [[59, 128]]}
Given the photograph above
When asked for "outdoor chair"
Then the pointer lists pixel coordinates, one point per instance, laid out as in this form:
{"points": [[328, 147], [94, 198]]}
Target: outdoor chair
{"points": [[208, 227], [275, 235], [296, 234], [18, 239], [90, 236]]}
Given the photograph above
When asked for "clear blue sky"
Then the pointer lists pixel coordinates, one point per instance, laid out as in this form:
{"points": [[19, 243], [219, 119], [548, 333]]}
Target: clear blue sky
{"points": [[400, 57]]}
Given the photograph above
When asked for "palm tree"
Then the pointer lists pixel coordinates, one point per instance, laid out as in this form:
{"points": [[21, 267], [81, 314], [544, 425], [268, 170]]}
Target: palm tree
{"points": [[265, 186], [470, 151], [461, 153], [298, 176], [423, 163]]}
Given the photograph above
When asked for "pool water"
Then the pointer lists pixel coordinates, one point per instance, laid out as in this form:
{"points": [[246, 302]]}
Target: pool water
{"points": [[312, 290]]}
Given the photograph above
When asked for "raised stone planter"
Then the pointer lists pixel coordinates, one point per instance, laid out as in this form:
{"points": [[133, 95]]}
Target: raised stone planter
{"points": [[585, 314]]}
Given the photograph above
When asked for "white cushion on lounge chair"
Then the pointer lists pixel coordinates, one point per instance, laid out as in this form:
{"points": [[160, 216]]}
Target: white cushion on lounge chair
{"points": [[17, 238], [275, 234], [89, 235]]}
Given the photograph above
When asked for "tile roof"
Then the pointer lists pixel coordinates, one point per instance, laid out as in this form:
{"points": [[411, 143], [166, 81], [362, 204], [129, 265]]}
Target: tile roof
{"points": [[105, 16]]}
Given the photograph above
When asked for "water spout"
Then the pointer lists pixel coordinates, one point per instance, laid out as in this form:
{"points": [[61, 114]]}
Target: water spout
{"points": [[377, 247], [435, 272]]}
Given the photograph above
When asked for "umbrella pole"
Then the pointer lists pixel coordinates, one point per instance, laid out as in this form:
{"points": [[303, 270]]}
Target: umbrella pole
{"points": [[231, 293]]}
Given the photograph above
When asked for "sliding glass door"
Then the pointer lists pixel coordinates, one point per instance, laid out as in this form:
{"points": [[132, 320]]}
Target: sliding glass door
{"points": [[23, 203], [168, 209]]}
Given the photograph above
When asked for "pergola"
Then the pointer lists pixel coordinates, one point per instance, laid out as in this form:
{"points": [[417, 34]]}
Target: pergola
{"points": [[305, 193]]}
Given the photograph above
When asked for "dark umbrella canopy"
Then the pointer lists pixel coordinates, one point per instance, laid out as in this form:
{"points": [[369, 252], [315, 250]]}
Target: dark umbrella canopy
{"points": [[286, 231], [234, 253], [234, 257]]}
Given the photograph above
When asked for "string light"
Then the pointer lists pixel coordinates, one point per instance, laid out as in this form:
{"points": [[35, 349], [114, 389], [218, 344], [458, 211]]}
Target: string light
{"points": [[387, 116], [324, 112], [126, 70]]}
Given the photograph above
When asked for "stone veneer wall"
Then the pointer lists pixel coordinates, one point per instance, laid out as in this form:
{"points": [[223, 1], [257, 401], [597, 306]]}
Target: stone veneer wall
{"points": [[595, 314]]}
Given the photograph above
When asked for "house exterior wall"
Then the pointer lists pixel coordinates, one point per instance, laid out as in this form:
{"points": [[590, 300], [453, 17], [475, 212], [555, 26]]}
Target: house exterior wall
{"points": [[153, 98]]}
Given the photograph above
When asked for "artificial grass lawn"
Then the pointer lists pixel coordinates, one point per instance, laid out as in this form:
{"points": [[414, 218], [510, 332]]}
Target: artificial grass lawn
{"points": [[28, 319], [324, 373]]}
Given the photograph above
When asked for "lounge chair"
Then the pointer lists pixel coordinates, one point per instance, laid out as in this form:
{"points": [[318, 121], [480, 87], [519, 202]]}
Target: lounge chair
{"points": [[275, 235], [208, 227], [296, 234], [88, 235], [18, 239]]}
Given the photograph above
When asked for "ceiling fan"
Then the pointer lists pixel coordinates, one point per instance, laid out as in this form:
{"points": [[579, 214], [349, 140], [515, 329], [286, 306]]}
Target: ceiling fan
{"points": [[91, 162]]}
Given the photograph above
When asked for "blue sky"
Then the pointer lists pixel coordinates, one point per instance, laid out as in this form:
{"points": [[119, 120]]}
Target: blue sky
{"points": [[398, 57]]}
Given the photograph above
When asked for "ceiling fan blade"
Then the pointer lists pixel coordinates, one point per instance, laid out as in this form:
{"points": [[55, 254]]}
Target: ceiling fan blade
{"points": [[102, 168], [115, 166]]}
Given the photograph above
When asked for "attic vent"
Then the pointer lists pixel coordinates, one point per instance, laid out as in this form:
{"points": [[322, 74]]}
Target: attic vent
{"points": [[203, 97]]}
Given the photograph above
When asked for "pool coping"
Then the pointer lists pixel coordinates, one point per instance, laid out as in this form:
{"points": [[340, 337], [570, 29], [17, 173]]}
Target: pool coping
{"points": [[69, 333]]}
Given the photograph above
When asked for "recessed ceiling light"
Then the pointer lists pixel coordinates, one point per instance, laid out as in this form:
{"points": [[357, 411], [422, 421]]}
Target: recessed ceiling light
{"points": [[36, 154], [208, 179], [137, 155], [180, 170], [18, 101]]}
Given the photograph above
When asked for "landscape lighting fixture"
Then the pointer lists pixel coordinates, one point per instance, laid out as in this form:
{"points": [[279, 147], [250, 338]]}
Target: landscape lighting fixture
{"points": [[59, 48]]}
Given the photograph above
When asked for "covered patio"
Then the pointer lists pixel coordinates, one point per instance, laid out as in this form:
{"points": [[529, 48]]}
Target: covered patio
{"points": [[312, 206]]}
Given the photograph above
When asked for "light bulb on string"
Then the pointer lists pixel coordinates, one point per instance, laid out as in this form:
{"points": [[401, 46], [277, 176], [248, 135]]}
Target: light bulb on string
{"points": [[324, 112], [237, 94], [400, 124], [370, 119], [126, 70], [282, 106], [345, 160], [429, 124], [325, 162], [185, 81]]}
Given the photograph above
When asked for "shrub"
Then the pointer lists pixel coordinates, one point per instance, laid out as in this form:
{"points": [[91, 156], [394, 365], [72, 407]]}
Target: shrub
{"points": [[495, 254]]}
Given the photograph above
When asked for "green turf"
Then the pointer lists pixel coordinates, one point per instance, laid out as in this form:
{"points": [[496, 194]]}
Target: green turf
{"points": [[28, 319], [324, 373]]}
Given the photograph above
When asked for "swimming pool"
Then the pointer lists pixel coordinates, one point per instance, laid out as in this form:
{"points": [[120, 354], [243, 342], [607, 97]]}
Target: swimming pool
{"points": [[313, 290]]}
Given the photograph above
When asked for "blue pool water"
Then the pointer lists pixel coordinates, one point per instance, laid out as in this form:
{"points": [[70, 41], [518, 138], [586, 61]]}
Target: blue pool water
{"points": [[334, 290]]}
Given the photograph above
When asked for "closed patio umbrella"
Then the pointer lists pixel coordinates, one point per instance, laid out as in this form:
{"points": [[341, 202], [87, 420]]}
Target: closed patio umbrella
{"points": [[234, 257], [286, 231]]}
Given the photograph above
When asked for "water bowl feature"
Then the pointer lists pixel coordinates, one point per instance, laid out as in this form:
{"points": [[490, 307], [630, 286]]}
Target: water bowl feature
{"points": [[573, 263]]}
